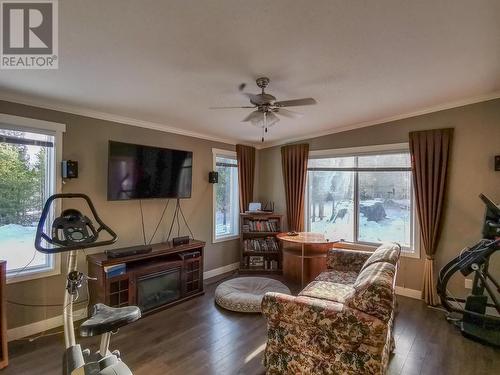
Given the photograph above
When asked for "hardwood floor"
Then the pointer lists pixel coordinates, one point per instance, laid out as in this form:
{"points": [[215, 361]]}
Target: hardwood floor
{"points": [[197, 337]]}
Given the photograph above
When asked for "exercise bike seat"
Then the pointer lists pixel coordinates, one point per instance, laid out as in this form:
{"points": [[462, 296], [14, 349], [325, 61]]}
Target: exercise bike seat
{"points": [[107, 319]]}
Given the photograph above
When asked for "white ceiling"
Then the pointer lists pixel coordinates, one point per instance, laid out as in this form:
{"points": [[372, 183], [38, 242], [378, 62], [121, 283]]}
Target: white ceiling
{"points": [[167, 62]]}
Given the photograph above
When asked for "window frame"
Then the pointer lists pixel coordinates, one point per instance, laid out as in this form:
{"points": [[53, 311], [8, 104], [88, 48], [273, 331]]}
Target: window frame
{"points": [[56, 130], [413, 252], [215, 239]]}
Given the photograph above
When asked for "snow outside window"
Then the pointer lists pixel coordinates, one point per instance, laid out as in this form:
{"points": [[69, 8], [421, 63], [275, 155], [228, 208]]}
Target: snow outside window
{"points": [[365, 198], [226, 196], [27, 179]]}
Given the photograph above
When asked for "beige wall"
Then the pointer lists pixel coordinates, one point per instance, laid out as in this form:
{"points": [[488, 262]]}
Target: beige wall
{"points": [[476, 141], [86, 140]]}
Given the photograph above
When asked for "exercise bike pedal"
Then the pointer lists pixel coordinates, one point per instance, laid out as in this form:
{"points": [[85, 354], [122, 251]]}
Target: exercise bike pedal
{"points": [[116, 353]]}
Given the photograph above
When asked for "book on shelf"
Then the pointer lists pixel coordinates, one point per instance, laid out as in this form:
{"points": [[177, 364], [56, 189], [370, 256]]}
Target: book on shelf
{"points": [[260, 263], [256, 261], [268, 244], [269, 225], [115, 270], [271, 265]]}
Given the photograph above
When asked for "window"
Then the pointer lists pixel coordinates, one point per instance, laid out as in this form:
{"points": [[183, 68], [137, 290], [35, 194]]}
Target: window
{"points": [[362, 195], [226, 196], [27, 179]]}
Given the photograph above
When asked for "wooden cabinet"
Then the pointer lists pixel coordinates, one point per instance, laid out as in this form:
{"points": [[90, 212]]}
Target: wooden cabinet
{"points": [[165, 276], [260, 251], [193, 275]]}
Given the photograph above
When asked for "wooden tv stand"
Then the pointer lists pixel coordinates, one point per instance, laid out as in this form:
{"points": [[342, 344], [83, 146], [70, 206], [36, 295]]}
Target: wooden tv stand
{"points": [[153, 281]]}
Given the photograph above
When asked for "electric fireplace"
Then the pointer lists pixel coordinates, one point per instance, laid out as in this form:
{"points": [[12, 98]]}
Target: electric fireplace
{"points": [[158, 289], [153, 281]]}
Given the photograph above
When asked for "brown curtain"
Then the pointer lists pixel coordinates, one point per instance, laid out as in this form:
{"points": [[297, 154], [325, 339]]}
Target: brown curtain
{"points": [[430, 151], [294, 165], [246, 171]]}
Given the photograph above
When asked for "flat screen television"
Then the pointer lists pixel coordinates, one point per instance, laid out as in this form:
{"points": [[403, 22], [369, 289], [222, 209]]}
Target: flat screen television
{"points": [[141, 172]]}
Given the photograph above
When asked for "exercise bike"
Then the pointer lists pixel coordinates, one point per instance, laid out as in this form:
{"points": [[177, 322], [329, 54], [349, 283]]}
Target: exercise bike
{"points": [[476, 322], [70, 232]]}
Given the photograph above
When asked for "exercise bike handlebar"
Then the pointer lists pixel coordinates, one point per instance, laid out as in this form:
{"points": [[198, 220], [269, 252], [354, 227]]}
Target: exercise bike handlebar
{"points": [[41, 235]]}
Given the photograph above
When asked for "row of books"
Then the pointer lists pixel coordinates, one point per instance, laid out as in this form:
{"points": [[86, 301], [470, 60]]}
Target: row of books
{"points": [[261, 226], [259, 262], [261, 244]]}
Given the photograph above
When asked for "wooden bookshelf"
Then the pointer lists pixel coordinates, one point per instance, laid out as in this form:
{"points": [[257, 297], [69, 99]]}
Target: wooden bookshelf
{"points": [[260, 250]]}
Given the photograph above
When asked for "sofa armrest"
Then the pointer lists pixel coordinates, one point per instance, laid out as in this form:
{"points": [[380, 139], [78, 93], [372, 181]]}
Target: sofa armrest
{"points": [[346, 260]]}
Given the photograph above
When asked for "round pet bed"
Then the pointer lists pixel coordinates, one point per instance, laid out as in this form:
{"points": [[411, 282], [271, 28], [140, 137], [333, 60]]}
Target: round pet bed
{"points": [[244, 294]]}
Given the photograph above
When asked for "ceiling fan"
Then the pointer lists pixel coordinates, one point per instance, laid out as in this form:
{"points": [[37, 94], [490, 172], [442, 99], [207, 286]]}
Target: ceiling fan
{"points": [[267, 108]]}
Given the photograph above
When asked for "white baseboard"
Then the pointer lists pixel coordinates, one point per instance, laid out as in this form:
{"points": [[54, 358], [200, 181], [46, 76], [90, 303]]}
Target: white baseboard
{"points": [[41, 326], [221, 270], [411, 293]]}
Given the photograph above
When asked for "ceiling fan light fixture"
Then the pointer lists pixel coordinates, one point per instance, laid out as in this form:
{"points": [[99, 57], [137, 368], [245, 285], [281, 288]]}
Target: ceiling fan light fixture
{"points": [[267, 108]]}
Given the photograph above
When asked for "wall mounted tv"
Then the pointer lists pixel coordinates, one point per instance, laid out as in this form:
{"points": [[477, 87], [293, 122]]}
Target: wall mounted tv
{"points": [[141, 172]]}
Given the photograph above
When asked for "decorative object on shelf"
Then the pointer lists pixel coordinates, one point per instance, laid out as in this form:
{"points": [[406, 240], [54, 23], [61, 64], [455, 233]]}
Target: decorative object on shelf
{"points": [[183, 240], [259, 248], [244, 294], [254, 207], [269, 207], [213, 177]]}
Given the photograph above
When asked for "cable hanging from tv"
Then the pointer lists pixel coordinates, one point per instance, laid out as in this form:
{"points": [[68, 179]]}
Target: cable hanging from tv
{"points": [[176, 218], [178, 214]]}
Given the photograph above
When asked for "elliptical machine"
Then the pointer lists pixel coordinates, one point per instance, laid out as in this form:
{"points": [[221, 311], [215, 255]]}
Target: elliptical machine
{"points": [[476, 323], [70, 232]]}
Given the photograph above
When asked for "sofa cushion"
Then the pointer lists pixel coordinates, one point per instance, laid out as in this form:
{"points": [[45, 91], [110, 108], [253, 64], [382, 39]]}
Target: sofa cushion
{"points": [[341, 277], [327, 290], [346, 260], [387, 252], [373, 291]]}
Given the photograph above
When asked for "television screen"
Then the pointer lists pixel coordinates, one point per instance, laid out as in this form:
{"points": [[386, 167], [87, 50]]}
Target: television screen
{"points": [[139, 172]]}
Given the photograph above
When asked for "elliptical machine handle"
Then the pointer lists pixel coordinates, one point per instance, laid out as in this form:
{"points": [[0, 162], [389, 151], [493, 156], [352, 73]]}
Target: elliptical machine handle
{"points": [[40, 234]]}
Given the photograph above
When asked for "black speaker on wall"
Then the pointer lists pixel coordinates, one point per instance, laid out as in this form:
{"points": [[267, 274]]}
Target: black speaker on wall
{"points": [[497, 163], [213, 177]]}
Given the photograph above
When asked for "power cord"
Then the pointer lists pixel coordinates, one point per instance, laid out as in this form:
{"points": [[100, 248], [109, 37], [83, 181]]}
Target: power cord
{"points": [[142, 221], [159, 222], [176, 212], [185, 222]]}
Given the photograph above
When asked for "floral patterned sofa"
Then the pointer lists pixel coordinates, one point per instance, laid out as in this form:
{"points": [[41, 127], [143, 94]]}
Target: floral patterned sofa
{"points": [[341, 323]]}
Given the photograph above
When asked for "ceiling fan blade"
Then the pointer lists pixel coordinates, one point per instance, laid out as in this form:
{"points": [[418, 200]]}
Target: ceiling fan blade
{"points": [[288, 113], [247, 106], [253, 97], [295, 102], [254, 117]]}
